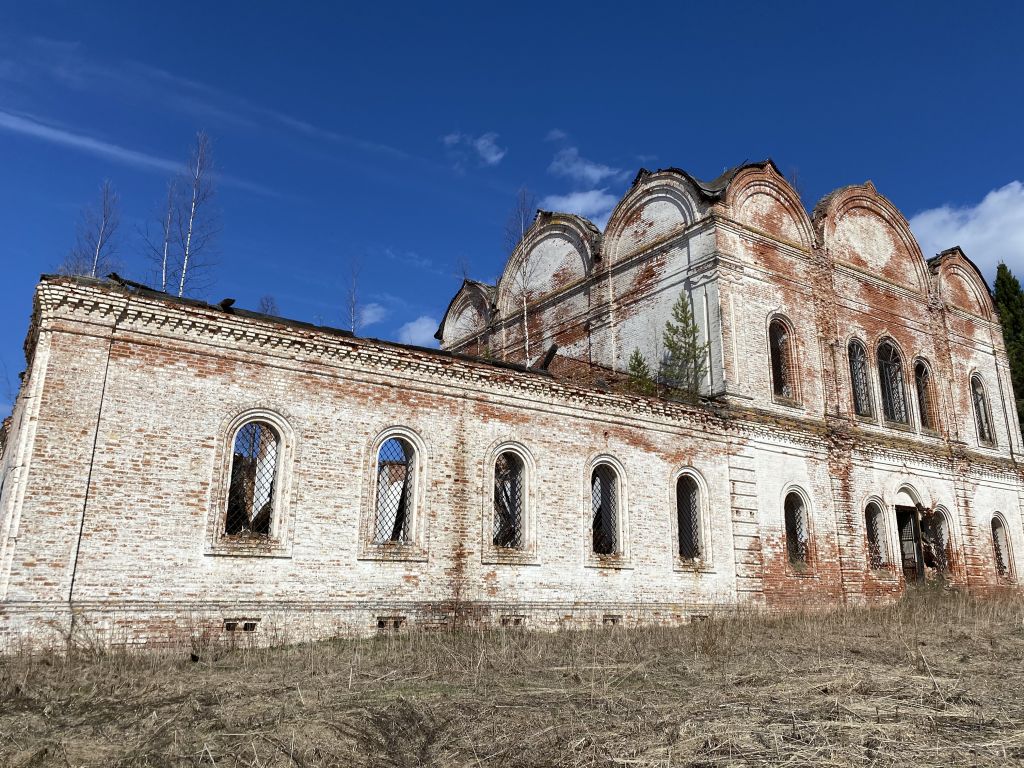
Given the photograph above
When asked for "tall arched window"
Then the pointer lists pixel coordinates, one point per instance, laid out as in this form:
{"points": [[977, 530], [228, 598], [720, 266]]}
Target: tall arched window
{"points": [[688, 517], [253, 473], [396, 484], [935, 540], [604, 501], [797, 535], [926, 396], [1001, 547], [890, 376], [981, 412], [780, 347], [859, 378], [509, 474], [874, 525]]}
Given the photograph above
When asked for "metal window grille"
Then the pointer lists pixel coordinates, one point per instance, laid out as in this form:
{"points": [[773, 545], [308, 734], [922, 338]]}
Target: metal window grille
{"points": [[796, 529], [604, 495], [890, 375], [781, 354], [1000, 547], [508, 501], [925, 396], [396, 469], [688, 517], [859, 378], [981, 410], [875, 526], [935, 541], [251, 491]]}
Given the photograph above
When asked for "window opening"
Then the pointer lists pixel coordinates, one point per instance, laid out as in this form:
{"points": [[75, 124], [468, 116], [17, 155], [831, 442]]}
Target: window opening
{"points": [[508, 501], [925, 396], [981, 414], [251, 491], [688, 517], [859, 378], [890, 375], [874, 524], [780, 346], [604, 495], [395, 472], [796, 529], [1000, 545]]}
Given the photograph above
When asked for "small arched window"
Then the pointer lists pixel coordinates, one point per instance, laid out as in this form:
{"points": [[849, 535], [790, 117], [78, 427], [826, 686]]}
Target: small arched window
{"points": [[797, 535], [509, 478], [1001, 548], [890, 376], [253, 473], [688, 517], [859, 378], [926, 396], [780, 347], [874, 525], [604, 500], [396, 487], [935, 540], [981, 412]]}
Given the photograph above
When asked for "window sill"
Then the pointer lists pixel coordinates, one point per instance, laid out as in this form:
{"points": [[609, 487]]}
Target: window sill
{"points": [[804, 572], [696, 567], [787, 402], [393, 552], [248, 547], [612, 562], [501, 556], [902, 427]]}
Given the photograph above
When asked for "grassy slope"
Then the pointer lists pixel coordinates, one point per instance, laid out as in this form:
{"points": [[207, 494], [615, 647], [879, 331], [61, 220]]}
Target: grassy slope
{"points": [[934, 680]]}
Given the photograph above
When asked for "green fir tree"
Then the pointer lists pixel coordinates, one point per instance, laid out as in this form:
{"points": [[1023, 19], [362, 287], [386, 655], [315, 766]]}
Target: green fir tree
{"points": [[685, 363], [1010, 303], [640, 380]]}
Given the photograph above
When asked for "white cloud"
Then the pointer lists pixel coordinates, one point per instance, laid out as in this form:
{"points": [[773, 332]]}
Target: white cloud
{"points": [[594, 204], [451, 139], [487, 148], [988, 232], [483, 147], [555, 134], [568, 163], [371, 313], [419, 332]]}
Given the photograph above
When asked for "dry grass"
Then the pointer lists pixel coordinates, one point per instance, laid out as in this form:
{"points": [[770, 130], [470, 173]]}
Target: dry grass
{"points": [[934, 680]]}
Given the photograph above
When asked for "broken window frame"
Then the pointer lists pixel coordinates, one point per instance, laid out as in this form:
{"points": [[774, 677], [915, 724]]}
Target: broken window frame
{"points": [[782, 361], [1002, 551], [892, 383], [982, 411], [797, 531], [927, 393], [394, 501], [860, 379], [690, 546], [377, 540], [876, 536]]}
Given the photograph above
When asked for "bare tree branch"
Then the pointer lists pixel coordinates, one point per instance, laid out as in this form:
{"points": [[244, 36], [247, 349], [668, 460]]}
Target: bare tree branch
{"points": [[96, 241], [197, 222], [268, 305], [353, 295], [519, 221], [161, 244]]}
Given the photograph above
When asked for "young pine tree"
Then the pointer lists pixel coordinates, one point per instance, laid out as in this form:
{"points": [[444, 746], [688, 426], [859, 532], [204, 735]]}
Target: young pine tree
{"points": [[640, 380], [685, 363], [1010, 303]]}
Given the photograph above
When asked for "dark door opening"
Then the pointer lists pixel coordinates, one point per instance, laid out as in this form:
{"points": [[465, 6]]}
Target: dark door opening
{"points": [[909, 526]]}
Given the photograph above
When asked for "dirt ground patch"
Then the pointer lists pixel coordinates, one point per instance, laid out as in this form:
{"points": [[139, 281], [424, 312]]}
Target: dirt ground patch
{"points": [[935, 680]]}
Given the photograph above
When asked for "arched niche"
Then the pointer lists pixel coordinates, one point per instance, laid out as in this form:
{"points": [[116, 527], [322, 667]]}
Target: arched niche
{"points": [[468, 316], [660, 204], [760, 197], [961, 284]]}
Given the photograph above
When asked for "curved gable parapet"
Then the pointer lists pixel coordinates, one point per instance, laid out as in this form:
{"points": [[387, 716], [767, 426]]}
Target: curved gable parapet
{"points": [[960, 283], [760, 197], [468, 314], [558, 251], [861, 228], [658, 205]]}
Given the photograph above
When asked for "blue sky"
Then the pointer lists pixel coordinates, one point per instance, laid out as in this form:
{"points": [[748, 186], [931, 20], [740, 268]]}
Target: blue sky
{"points": [[396, 136]]}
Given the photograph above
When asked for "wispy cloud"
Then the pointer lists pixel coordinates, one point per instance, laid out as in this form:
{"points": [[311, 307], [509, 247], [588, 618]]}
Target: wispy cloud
{"points": [[484, 148], [555, 134], [571, 165], [372, 313], [593, 204], [419, 332], [989, 231]]}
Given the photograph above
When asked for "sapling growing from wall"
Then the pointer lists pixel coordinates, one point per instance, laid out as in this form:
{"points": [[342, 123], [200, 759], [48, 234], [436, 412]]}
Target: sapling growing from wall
{"points": [[641, 382], [684, 364]]}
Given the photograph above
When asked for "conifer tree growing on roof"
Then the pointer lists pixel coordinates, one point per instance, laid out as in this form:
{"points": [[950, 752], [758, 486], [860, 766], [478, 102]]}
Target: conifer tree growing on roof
{"points": [[685, 362]]}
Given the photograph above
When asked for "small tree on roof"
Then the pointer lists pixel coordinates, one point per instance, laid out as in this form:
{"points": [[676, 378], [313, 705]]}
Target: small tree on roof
{"points": [[641, 382], [685, 362]]}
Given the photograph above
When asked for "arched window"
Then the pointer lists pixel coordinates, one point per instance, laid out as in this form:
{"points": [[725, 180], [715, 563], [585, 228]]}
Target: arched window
{"points": [[890, 376], [797, 536], [859, 378], [874, 525], [604, 500], [926, 396], [935, 540], [688, 517], [981, 411], [780, 347], [509, 475], [1001, 547], [253, 472], [396, 488]]}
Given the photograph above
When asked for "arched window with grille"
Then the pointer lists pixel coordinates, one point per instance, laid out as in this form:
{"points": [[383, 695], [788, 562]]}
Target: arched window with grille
{"points": [[927, 404], [509, 493], [890, 377], [688, 511], [982, 415], [859, 381], [254, 461], [874, 526], [396, 490], [1001, 548], [783, 369], [797, 532], [604, 505]]}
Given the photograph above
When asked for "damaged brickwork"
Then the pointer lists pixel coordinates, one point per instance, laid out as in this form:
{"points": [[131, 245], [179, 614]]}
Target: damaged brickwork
{"points": [[121, 456]]}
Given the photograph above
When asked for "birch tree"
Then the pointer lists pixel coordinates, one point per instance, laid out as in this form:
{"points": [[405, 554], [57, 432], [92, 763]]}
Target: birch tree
{"points": [[197, 223], [161, 244], [519, 222], [96, 240]]}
